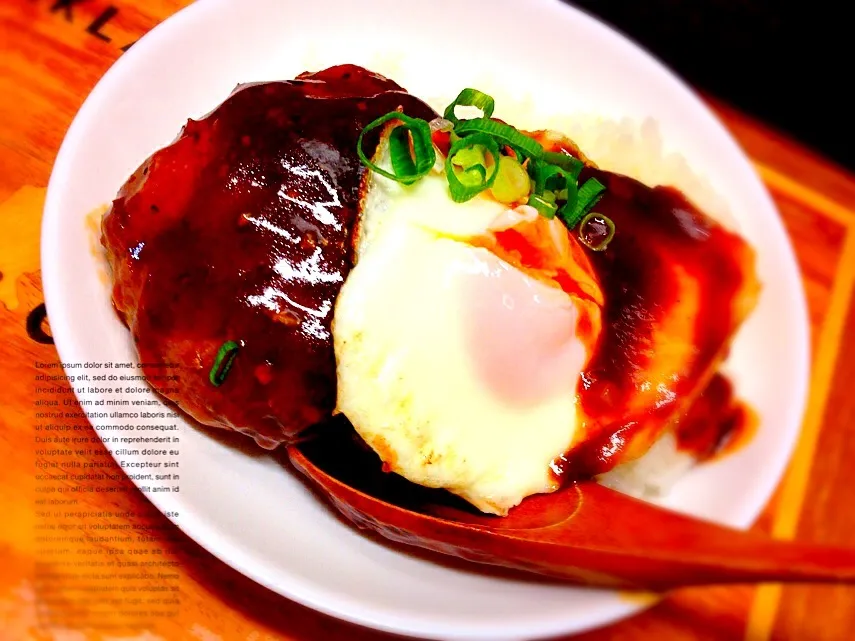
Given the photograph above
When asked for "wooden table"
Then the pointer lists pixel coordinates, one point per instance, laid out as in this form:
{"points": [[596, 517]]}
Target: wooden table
{"points": [[51, 55]]}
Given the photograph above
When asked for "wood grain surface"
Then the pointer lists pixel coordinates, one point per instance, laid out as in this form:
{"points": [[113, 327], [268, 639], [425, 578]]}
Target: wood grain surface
{"points": [[52, 52]]}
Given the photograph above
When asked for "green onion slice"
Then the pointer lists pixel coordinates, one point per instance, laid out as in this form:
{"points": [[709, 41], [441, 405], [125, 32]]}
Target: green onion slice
{"points": [[543, 206], [512, 182], [408, 165], [475, 163], [470, 182], [589, 195], [573, 166], [473, 177], [470, 98], [521, 154], [555, 176], [549, 177], [600, 240], [223, 362], [503, 134], [470, 157]]}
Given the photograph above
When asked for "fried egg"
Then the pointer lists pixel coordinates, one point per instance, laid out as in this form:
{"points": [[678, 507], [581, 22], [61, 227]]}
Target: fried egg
{"points": [[460, 336]]}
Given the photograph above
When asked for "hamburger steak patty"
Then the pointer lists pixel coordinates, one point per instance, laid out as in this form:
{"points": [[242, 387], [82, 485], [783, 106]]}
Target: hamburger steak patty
{"points": [[241, 230]]}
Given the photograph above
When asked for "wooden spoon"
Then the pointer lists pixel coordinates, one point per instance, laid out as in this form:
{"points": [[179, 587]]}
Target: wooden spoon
{"points": [[584, 533]]}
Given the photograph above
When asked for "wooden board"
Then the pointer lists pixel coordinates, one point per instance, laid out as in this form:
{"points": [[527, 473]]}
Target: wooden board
{"points": [[52, 53]]}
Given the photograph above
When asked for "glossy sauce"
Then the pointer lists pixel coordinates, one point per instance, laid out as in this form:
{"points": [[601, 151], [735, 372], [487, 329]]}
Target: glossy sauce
{"points": [[241, 230], [717, 423], [676, 285]]}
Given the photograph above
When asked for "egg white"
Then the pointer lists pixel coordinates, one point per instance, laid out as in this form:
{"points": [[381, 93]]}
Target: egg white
{"points": [[435, 337]]}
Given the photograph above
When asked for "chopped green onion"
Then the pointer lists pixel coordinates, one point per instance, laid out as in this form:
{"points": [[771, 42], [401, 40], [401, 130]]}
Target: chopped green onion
{"points": [[473, 177], [223, 362], [470, 157], [549, 177], [568, 206], [512, 182], [486, 154], [406, 168], [504, 134], [521, 154], [555, 185], [468, 183], [543, 206], [589, 195], [470, 98], [601, 233], [573, 166]]}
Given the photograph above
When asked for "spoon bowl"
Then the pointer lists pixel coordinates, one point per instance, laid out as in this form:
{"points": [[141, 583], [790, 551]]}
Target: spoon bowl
{"points": [[584, 533]]}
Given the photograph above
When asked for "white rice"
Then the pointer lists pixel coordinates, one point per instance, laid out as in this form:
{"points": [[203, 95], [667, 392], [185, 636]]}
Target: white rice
{"points": [[637, 150], [624, 146], [653, 474]]}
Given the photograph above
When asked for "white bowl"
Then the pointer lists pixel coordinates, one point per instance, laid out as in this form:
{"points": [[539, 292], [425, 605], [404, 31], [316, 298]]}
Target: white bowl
{"points": [[248, 509]]}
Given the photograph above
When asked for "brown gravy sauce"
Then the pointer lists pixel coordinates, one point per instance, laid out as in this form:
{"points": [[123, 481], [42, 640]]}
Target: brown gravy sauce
{"points": [[241, 230], [220, 237], [717, 423], [677, 286]]}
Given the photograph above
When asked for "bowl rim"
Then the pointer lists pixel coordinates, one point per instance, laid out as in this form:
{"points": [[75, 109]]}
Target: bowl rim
{"points": [[200, 530]]}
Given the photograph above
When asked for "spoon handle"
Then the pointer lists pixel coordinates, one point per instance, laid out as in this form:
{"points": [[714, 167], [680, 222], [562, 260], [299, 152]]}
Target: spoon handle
{"points": [[656, 548], [591, 535], [788, 562]]}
